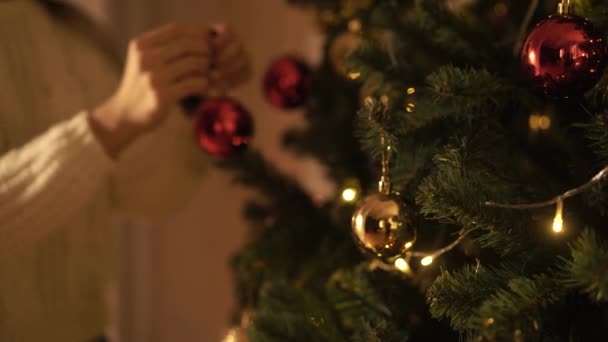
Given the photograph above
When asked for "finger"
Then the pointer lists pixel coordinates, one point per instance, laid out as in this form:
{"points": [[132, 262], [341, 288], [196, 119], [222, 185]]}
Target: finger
{"points": [[191, 65], [185, 46], [239, 65], [233, 78], [169, 32], [222, 35], [229, 53], [236, 61], [190, 86]]}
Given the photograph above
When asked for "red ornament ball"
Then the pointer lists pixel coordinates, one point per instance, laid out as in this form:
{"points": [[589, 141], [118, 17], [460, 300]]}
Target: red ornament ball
{"points": [[564, 56], [287, 82], [222, 126]]}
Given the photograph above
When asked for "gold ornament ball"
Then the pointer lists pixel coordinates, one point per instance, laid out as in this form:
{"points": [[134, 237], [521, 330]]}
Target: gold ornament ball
{"points": [[383, 226], [342, 46]]}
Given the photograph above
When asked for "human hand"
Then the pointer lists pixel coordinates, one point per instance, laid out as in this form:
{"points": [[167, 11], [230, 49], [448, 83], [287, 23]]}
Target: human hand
{"points": [[231, 64], [162, 67]]}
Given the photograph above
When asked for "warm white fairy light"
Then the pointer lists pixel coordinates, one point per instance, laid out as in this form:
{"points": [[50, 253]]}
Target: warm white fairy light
{"points": [[355, 26], [427, 260], [539, 122], [349, 195], [402, 265], [558, 221], [230, 337], [408, 245]]}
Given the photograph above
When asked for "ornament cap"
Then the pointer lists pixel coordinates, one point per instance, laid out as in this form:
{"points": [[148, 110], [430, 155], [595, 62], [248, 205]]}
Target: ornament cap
{"points": [[565, 8], [384, 185]]}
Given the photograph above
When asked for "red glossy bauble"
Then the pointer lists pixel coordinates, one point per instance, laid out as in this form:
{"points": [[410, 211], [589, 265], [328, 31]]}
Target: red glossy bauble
{"points": [[222, 126], [287, 82], [564, 56]]}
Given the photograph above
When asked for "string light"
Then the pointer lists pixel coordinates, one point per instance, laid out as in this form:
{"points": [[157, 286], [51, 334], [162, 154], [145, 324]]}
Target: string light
{"points": [[231, 336], [538, 122], [408, 245], [427, 260], [402, 265], [558, 222], [354, 25], [349, 195], [411, 91], [354, 75]]}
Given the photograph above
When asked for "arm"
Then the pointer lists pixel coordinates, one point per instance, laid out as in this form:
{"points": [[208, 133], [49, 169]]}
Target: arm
{"points": [[47, 180]]}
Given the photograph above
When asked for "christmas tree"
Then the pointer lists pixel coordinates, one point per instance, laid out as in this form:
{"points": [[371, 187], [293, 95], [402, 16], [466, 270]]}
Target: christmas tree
{"points": [[489, 139]]}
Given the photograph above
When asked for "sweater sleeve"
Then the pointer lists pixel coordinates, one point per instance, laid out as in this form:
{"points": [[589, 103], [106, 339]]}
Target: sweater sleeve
{"points": [[158, 175], [47, 180]]}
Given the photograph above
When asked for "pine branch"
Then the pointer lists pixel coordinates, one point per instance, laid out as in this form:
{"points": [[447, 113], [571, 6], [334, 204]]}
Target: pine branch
{"points": [[354, 298], [456, 295], [518, 306], [464, 179], [597, 133], [587, 267], [469, 91], [286, 313]]}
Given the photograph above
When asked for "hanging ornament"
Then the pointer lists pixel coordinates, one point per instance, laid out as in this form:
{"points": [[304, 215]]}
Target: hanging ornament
{"points": [[382, 224], [564, 55], [222, 126], [343, 45], [287, 82]]}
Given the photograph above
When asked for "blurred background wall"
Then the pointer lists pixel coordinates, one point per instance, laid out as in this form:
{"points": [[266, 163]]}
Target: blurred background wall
{"points": [[175, 280]]}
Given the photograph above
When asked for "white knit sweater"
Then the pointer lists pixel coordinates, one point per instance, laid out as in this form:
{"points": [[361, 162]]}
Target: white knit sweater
{"points": [[58, 188]]}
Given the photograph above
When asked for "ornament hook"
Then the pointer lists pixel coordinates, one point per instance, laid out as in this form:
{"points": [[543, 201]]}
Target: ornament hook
{"points": [[385, 186]]}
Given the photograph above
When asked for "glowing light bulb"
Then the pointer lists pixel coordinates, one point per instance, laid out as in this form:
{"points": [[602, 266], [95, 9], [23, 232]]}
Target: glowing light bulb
{"points": [[558, 222], [426, 260], [349, 195], [544, 122], [354, 26], [408, 245], [402, 265], [354, 75], [534, 121], [230, 337]]}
